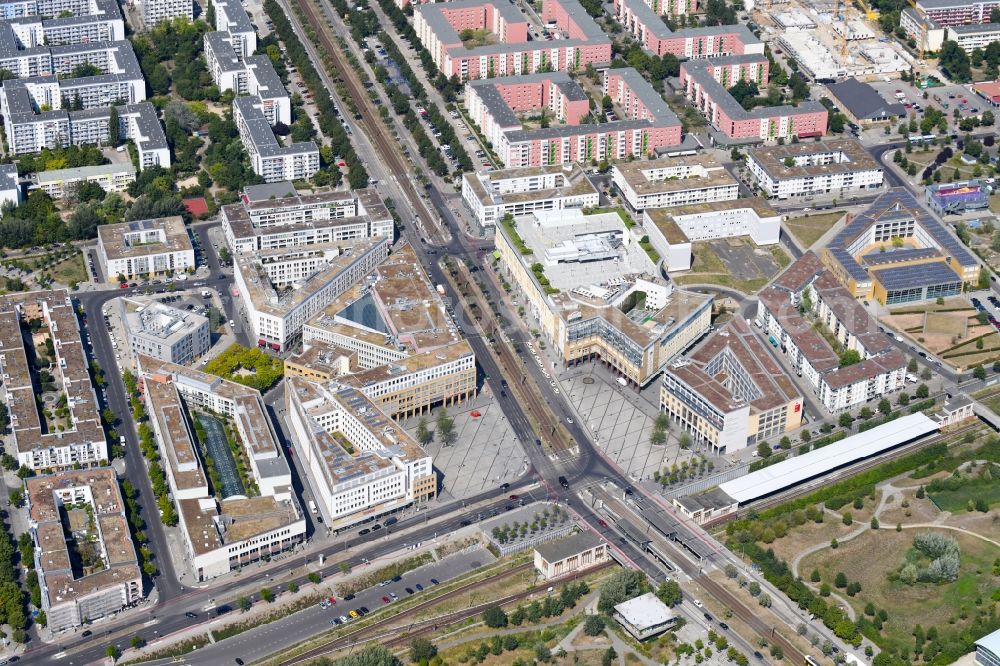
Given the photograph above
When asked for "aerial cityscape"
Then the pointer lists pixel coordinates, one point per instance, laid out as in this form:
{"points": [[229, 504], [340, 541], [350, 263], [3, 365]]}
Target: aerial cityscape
{"points": [[503, 332]]}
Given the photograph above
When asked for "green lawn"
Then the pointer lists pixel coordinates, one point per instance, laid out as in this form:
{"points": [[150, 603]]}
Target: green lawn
{"points": [[69, 271], [869, 559], [808, 229], [971, 488]]}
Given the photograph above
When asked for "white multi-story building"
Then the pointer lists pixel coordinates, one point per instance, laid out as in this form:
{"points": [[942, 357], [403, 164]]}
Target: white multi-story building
{"points": [[162, 332], [269, 159], [73, 440], [88, 21], [144, 247], [277, 320], [257, 517], [232, 19], [10, 186], [832, 167], [157, 11], [671, 231], [673, 181], [882, 368], [60, 183], [90, 502], [520, 191], [361, 463], [273, 217]]}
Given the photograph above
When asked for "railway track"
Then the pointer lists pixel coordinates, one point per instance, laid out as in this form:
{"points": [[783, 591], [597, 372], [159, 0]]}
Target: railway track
{"points": [[769, 633], [530, 400], [385, 145], [389, 632]]}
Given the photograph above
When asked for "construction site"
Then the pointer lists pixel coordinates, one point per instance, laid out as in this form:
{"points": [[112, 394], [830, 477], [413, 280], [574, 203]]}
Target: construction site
{"points": [[831, 40]]}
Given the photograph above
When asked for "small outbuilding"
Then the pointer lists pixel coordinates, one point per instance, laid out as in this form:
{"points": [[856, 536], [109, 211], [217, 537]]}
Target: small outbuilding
{"points": [[644, 616]]}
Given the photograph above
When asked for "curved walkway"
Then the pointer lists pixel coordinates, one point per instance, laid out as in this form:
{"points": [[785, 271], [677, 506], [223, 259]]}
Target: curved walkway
{"points": [[954, 529]]}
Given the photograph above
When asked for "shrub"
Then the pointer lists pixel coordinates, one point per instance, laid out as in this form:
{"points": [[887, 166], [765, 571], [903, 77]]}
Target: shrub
{"points": [[494, 617], [593, 625]]}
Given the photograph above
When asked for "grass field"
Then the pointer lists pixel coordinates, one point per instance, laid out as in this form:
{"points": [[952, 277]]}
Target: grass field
{"points": [[971, 488], [995, 203], [707, 268], [808, 229], [869, 559], [69, 271]]}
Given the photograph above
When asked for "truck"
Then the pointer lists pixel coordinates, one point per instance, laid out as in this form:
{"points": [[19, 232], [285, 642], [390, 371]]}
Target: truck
{"points": [[312, 507], [912, 378], [440, 289]]}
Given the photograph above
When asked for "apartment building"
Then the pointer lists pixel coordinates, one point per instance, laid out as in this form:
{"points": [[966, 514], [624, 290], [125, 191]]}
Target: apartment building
{"points": [[232, 20], [673, 181], [10, 185], [144, 248], [671, 231], [491, 195], [361, 463], [949, 13], [74, 439], [730, 393], [838, 167], [439, 25], [706, 82], [807, 285], [597, 294], [897, 252], [644, 21], [273, 217], [247, 519], [163, 332], [74, 515], [277, 312], [648, 123], [155, 12], [88, 21], [61, 183], [270, 160]]}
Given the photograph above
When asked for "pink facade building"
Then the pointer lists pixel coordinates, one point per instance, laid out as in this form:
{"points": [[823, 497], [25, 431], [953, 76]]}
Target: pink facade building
{"points": [[950, 13], [706, 83], [644, 23], [494, 104], [438, 26]]}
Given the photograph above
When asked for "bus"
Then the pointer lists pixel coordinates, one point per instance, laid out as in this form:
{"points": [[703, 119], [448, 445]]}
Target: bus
{"points": [[922, 139]]}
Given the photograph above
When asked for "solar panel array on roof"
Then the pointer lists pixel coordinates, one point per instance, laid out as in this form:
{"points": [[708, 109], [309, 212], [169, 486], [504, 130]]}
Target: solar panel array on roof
{"points": [[918, 275], [849, 264]]}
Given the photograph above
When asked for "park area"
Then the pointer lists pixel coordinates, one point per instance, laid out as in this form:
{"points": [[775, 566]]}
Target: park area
{"points": [[905, 556], [952, 330], [809, 228], [736, 263], [250, 367]]}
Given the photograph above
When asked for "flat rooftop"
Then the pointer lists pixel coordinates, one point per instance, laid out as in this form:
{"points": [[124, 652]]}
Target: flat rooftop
{"points": [[574, 544], [499, 187], [550, 235], [340, 464], [266, 298], [813, 158], [703, 169], [69, 368], [53, 497], [410, 365], [144, 237], [153, 319]]}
